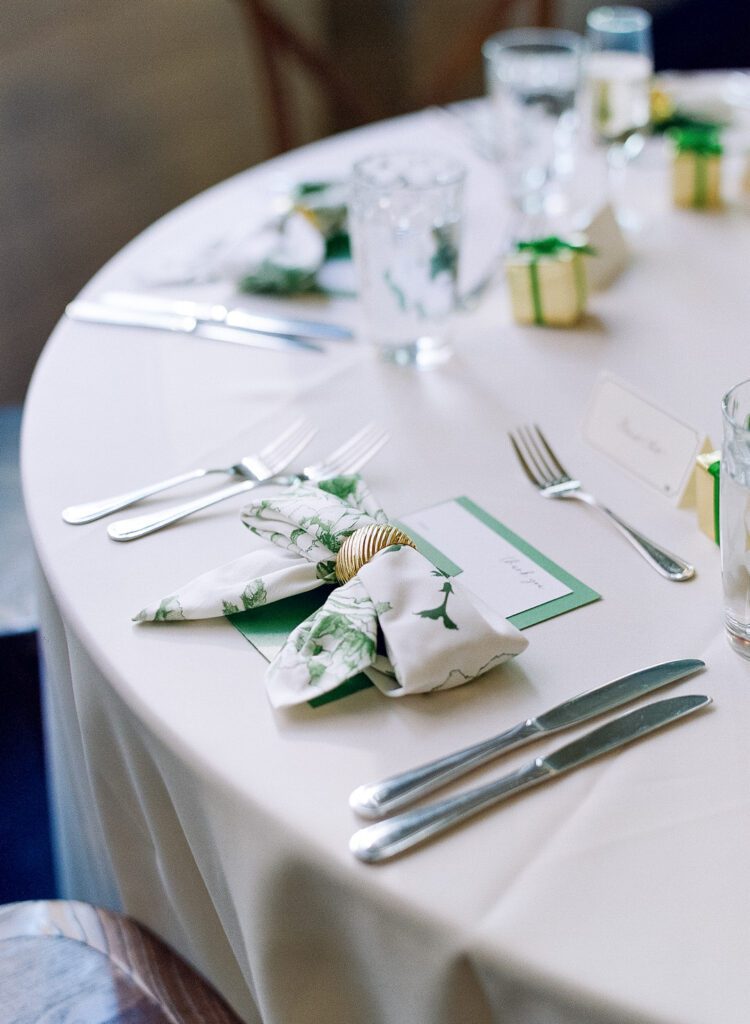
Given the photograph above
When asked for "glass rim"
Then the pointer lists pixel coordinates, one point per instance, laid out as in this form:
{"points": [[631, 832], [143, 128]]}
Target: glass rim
{"points": [[735, 424], [562, 39], [618, 20], [455, 170]]}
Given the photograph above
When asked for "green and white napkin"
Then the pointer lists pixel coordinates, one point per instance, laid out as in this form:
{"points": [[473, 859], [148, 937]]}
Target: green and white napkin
{"points": [[307, 249], [301, 249], [407, 625]]}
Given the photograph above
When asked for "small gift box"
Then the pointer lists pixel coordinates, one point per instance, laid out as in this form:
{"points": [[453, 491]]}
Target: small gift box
{"points": [[696, 171], [547, 282], [745, 180], [395, 617], [707, 470]]}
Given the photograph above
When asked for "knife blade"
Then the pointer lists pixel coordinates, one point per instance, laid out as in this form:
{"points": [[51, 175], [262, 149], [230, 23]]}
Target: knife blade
{"points": [[373, 800], [231, 317], [385, 839], [99, 313]]}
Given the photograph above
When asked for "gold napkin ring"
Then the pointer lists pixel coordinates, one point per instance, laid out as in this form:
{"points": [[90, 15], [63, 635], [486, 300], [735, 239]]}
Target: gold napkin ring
{"points": [[362, 545]]}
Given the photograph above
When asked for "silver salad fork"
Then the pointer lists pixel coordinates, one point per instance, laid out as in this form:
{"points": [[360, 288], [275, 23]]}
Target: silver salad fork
{"points": [[278, 453], [347, 458]]}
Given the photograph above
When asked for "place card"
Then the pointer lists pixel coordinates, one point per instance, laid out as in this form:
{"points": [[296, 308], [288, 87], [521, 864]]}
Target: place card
{"points": [[643, 438], [505, 576], [611, 254]]}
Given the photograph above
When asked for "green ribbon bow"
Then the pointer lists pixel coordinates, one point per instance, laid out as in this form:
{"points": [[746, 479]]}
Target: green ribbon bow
{"points": [[703, 140], [681, 121], [552, 246]]}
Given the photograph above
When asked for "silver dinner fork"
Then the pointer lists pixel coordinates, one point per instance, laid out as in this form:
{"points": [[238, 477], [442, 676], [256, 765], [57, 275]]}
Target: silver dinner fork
{"points": [[546, 473], [347, 458], [277, 454]]}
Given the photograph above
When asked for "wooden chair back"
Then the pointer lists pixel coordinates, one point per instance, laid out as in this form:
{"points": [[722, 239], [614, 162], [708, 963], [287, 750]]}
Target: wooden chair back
{"points": [[351, 101]]}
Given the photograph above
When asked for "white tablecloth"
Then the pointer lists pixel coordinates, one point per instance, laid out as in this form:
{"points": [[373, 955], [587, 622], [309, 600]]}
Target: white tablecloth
{"points": [[619, 893]]}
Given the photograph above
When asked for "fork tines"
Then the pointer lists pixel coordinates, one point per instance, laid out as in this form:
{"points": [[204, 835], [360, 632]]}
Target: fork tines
{"points": [[278, 453], [352, 454], [287, 439], [537, 459]]}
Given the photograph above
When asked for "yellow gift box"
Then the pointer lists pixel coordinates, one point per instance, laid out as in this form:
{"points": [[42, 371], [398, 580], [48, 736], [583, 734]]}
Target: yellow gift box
{"points": [[696, 170], [707, 470], [547, 282]]}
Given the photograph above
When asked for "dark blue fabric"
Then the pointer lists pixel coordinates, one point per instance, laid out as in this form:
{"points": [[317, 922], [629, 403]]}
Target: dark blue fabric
{"points": [[25, 846], [694, 34]]}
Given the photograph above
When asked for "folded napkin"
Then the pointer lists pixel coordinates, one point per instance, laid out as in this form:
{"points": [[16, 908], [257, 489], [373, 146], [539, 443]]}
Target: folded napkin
{"points": [[302, 248], [282, 256], [407, 625], [307, 249]]}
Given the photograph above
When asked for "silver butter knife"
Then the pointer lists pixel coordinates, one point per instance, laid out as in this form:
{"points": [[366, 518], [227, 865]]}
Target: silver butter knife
{"points": [[376, 799], [387, 838], [99, 313], [219, 314]]}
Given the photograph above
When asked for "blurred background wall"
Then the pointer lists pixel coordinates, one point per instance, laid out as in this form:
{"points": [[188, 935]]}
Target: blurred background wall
{"points": [[114, 111], [111, 112]]}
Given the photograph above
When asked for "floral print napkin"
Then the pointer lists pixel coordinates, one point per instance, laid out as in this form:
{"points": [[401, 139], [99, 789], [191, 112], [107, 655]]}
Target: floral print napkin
{"points": [[409, 627], [297, 254]]}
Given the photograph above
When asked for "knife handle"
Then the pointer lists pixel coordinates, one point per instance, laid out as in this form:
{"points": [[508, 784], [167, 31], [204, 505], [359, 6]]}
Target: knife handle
{"points": [[376, 799], [387, 838], [93, 510], [666, 563], [140, 526], [100, 313]]}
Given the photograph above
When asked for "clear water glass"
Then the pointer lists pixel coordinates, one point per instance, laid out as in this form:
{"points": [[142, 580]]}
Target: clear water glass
{"points": [[405, 213], [533, 77], [734, 516], [619, 73]]}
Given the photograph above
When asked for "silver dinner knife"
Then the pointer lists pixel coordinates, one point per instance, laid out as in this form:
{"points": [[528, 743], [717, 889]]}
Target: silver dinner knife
{"points": [[100, 313], [385, 839], [376, 799], [218, 313]]}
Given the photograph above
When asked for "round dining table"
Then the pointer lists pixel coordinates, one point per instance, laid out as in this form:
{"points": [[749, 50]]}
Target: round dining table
{"points": [[618, 893]]}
